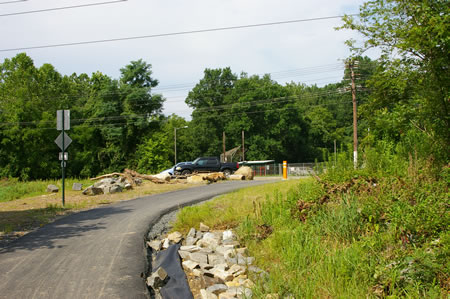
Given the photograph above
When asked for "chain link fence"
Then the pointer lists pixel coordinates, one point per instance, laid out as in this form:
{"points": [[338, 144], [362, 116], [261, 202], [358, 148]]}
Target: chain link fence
{"points": [[293, 169]]}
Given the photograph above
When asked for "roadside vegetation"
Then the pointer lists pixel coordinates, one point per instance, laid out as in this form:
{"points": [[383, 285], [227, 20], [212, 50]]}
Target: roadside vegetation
{"points": [[379, 229], [11, 189], [25, 205], [375, 232]]}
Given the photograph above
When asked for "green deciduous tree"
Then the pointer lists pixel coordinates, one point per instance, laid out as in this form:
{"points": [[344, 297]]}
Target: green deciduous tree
{"points": [[110, 118], [410, 92]]}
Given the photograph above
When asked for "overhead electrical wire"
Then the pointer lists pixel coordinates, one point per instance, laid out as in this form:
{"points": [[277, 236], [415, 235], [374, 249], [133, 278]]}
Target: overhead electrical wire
{"points": [[231, 106], [173, 33], [310, 96], [15, 1], [228, 114], [187, 86], [59, 8]]}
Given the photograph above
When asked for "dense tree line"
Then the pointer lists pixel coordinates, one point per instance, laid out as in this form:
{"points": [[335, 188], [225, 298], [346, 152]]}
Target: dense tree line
{"points": [[117, 123], [109, 118]]}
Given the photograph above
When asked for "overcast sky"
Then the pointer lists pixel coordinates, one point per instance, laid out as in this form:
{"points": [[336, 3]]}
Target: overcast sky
{"points": [[312, 49]]}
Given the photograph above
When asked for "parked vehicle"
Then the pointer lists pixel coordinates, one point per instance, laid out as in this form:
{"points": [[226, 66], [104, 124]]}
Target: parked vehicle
{"points": [[171, 171], [207, 164]]}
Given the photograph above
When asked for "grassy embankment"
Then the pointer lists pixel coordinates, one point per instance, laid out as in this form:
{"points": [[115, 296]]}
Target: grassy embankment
{"points": [[27, 205], [353, 234]]}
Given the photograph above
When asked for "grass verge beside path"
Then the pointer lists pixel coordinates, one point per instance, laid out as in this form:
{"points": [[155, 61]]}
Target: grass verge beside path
{"points": [[349, 236], [229, 210], [35, 208]]}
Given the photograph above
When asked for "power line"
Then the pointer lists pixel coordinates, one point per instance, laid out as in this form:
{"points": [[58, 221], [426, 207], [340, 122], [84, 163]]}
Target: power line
{"points": [[187, 86], [274, 76], [173, 33], [10, 2], [58, 8], [199, 110], [265, 101]]}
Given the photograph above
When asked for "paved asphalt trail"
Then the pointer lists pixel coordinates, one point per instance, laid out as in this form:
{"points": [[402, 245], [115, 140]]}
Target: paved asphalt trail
{"points": [[98, 253]]}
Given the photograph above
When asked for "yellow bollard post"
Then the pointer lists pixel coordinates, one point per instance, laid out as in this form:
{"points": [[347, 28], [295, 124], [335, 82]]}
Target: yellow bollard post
{"points": [[284, 170]]}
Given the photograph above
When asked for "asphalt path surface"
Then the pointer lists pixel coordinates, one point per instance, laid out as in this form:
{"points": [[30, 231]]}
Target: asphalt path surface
{"points": [[98, 253]]}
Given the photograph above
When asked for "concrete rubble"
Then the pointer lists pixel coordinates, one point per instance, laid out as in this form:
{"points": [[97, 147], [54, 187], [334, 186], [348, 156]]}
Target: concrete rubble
{"points": [[52, 188], [157, 279], [118, 182], [214, 263], [77, 186], [110, 186]]}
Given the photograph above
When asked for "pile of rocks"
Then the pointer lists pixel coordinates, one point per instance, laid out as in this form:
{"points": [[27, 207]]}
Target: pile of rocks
{"points": [[110, 185], [215, 264]]}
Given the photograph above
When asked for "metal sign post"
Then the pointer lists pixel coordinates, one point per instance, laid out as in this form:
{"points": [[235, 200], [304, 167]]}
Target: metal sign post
{"points": [[63, 141]]}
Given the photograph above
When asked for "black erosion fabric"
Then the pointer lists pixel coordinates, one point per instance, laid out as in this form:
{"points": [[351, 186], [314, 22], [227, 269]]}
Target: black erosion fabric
{"points": [[177, 286]]}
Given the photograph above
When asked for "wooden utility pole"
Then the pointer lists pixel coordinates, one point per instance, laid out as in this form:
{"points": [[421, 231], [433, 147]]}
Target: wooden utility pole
{"points": [[335, 153], [223, 141], [354, 64], [243, 146], [175, 145]]}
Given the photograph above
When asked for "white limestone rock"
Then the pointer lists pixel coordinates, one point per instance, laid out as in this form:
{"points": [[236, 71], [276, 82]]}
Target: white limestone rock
{"points": [[204, 227], [155, 245], [175, 237], [204, 294]]}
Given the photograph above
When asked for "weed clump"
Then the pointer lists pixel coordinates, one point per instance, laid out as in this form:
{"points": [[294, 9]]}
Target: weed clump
{"points": [[357, 233]]}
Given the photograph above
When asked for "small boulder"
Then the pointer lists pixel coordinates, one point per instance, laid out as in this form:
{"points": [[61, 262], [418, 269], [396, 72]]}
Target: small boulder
{"points": [[195, 179], [199, 257], [183, 254], [227, 295], [166, 243], [106, 189], [204, 294], [246, 171], [52, 188], [191, 233], [228, 235], [224, 275], [155, 245], [204, 227], [237, 270], [92, 190], [216, 259], [191, 265], [115, 189], [175, 237], [77, 187], [108, 181], [163, 176], [157, 279], [191, 241], [190, 248], [217, 288]]}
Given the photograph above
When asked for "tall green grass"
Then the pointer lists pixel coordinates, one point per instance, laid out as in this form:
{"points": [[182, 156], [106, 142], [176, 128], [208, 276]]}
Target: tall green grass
{"points": [[379, 231], [12, 189]]}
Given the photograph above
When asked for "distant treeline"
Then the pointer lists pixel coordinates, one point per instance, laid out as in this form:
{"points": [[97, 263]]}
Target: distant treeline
{"points": [[402, 100], [118, 123]]}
